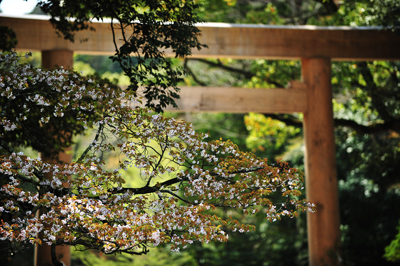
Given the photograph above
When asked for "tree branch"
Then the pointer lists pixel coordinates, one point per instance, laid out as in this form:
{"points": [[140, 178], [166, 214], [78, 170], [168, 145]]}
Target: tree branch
{"points": [[146, 189], [96, 138], [156, 188], [4, 145], [246, 74], [289, 120], [373, 128], [393, 125], [374, 92], [54, 259], [192, 74], [177, 196]]}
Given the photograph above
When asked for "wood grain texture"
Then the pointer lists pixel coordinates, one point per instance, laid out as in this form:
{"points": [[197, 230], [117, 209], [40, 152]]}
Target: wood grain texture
{"points": [[320, 165], [241, 100], [228, 40]]}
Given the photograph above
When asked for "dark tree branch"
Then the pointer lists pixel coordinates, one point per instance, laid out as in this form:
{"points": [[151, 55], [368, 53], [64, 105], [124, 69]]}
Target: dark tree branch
{"points": [[95, 243], [192, 74], [246, 74], [26, 179], [373, 128], [374, 92], [163, 150], [393, 125], [96, 138], [156, 188], [144, 251], [289, 120], [4, 145], [177, 196], [147, 189], [54, 259]]}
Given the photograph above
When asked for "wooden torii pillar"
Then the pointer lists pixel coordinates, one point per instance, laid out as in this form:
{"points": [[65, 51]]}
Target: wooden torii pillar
{"points": [[42, 257], [320, 164]]}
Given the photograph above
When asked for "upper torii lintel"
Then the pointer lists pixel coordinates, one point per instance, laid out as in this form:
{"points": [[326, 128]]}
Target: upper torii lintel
{"points": [[227, 40]]}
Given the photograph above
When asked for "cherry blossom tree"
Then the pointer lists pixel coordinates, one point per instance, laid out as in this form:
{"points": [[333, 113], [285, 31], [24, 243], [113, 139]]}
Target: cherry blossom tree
{"points": [[182, 177]]}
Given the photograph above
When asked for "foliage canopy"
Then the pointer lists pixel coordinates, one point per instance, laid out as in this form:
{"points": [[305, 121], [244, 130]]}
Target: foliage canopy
{"points": [[142, 30], [183, 176]]}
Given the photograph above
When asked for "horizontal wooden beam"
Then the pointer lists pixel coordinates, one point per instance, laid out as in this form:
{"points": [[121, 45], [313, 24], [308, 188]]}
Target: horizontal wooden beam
{"points": [[296, 42], [242, 100], [228, 40]]}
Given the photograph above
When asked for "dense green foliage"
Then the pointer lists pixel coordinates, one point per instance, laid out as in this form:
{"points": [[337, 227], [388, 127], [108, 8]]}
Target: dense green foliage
{"points": [[142, 31], [36, 132], [392, 252], [8, 38]]}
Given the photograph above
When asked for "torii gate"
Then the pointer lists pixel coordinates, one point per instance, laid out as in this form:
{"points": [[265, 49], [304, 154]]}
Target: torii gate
{"points": [[314, 46]]}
